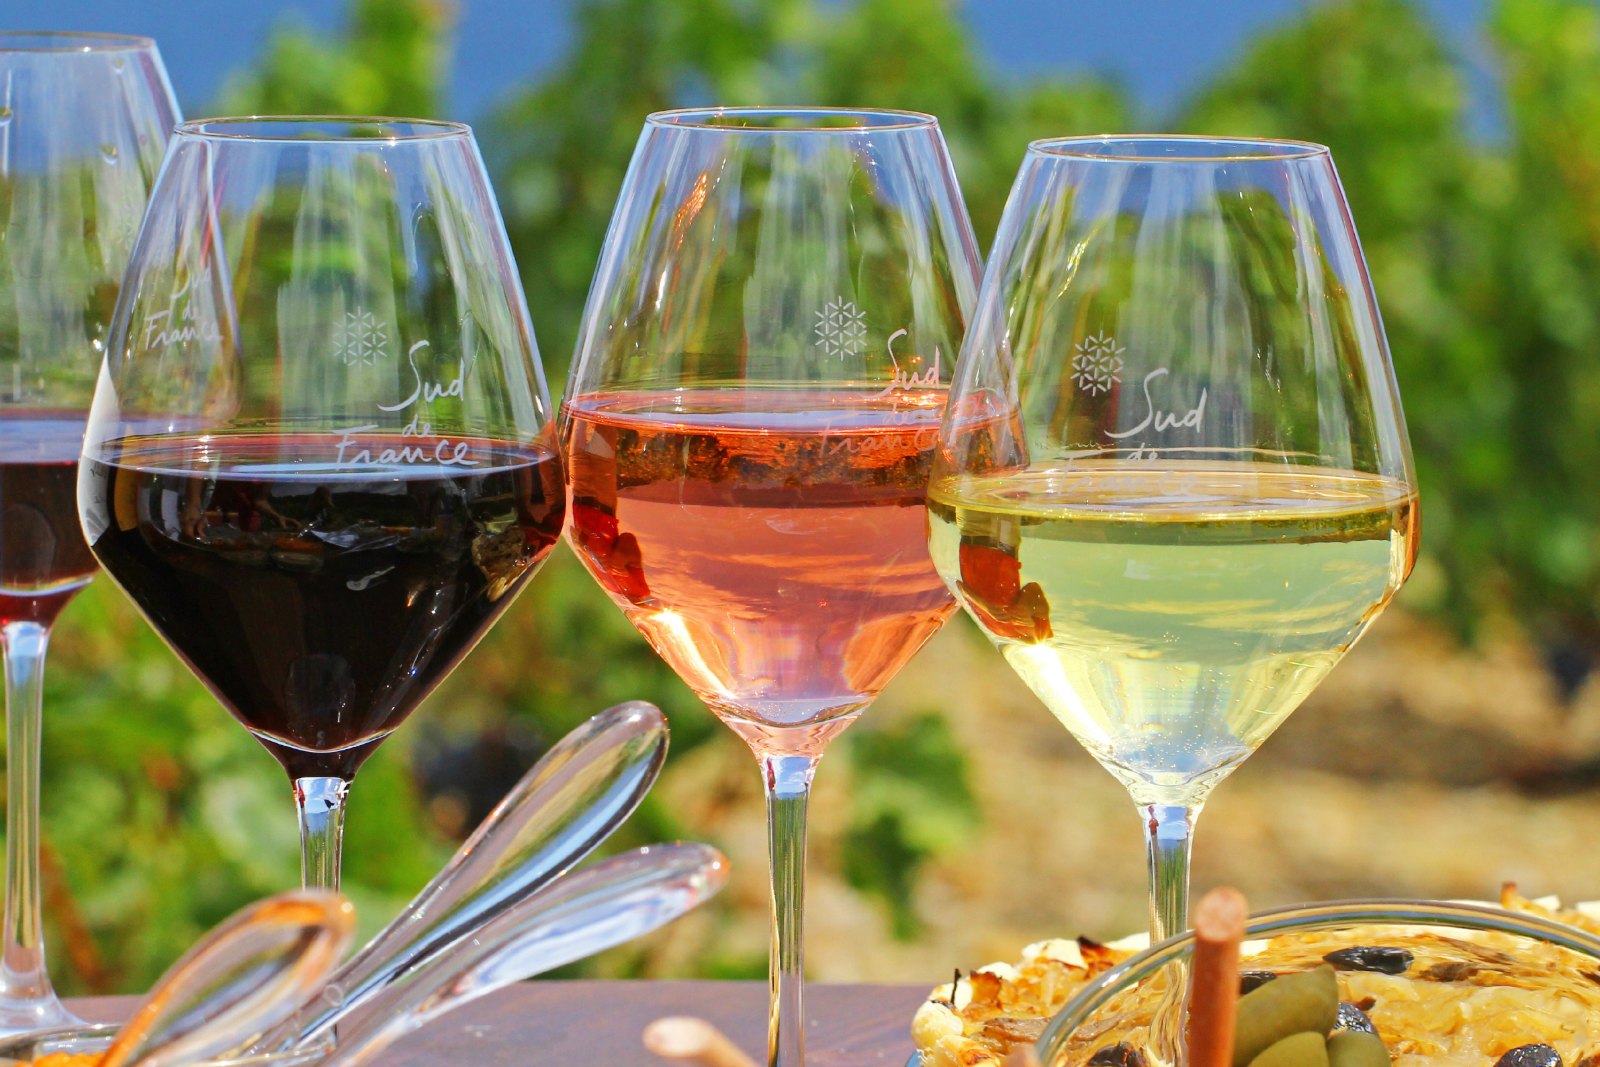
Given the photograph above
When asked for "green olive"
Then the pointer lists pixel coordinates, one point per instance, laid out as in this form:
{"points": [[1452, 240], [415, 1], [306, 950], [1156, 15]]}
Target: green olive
{"points": [[1305, 1049], [1357, 1048], [1308, 1001]]}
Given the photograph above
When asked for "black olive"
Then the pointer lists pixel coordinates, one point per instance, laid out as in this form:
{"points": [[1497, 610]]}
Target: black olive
{"points": [[1252, 980], [1118, 1055], [1371, 958], [1530, 1056], [1353, 1018]]}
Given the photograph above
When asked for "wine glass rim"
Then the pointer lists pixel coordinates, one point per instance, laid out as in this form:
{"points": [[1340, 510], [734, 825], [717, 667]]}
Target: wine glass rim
{"points": [[71, 41], [870, 119], [318, 129], [1188, 148]]}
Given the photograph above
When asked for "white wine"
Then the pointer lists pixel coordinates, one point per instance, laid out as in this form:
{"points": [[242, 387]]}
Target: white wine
{"points": [[1172, 615]]}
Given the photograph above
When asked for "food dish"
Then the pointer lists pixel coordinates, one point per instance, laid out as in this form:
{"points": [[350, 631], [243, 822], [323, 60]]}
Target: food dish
{"points": [[1472, 984]]}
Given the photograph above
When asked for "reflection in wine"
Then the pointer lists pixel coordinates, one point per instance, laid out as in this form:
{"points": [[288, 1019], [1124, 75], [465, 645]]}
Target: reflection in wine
{"points": [[771, 545], [320, 603], [1173, 633]]}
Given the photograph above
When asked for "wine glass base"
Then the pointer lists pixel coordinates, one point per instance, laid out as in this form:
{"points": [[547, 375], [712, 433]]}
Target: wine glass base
{"points": [[78, 1037], [95, 1038]]}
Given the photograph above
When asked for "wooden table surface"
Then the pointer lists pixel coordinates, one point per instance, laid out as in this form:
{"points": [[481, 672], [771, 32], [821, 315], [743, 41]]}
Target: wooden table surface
{"points": [[597, 1024]]}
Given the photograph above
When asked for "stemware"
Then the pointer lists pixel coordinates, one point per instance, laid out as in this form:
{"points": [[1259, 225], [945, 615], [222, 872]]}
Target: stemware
{"points": [[318, 456], [84, 119], [1174, 485], [748, 424]]}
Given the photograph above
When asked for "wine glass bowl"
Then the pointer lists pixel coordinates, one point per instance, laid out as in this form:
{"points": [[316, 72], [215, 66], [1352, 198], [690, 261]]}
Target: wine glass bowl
{"points": [[781, 573], [749, 423], [318, 460], [84, 119], [1174, 485]]}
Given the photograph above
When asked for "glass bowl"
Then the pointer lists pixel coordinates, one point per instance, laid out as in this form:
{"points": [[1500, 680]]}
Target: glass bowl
{"points": [[1478, 981]]}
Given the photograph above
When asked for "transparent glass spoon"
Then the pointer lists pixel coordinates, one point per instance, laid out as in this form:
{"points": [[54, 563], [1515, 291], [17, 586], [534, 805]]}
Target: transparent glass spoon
{"points": [[601, 906], [240, 980], [567, 803]]}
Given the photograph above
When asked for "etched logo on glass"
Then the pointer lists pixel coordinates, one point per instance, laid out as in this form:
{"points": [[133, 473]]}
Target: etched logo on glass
{"points": [[361, 338], [841, 328], [178, 323], [417, 441], [1097, 363]]}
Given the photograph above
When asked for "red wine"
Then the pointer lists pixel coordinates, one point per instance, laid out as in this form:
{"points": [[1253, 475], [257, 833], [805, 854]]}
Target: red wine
{"points": [[43, 557], [771, 546], [320, 602]]}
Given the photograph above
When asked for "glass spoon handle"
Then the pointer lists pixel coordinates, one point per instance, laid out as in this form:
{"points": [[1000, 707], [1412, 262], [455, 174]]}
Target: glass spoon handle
{"points": [[566, 804], [604, 905]]}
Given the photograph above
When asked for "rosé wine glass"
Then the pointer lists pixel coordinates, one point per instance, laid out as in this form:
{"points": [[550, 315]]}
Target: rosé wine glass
{"points": [[749, 424]]}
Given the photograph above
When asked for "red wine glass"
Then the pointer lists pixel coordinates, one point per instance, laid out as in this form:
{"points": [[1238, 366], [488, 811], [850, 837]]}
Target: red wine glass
{"points": [[84, 119], [749, 423], [318, 458]]}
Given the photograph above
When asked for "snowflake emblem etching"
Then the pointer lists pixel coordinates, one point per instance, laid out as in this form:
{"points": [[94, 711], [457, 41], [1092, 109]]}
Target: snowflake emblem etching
{"points": [[1097, 363], [361, 338], [841, 327]]}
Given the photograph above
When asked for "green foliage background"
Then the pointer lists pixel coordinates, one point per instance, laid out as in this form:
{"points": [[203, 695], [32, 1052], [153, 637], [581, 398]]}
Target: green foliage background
{"points": [[162, 815]]}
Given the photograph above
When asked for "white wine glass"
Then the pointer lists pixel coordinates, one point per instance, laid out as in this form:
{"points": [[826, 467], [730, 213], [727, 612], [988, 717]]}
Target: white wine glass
{"points": [[84, 119], [1174, 484], [748, 428]]}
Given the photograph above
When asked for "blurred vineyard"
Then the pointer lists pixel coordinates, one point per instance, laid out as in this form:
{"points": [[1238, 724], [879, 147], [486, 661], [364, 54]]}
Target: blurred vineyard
{"points": [[1459, 745]]}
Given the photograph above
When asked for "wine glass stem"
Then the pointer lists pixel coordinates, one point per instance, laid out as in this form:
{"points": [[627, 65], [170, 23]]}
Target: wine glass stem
{"points": [[320, 802], [1168, 829], [788, 780], [27, 1000]]}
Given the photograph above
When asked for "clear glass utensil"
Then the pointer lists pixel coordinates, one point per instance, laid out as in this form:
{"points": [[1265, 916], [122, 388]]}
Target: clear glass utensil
{"points": [[1174, 485], [318, 458], [492, 915], [586, 911], [245, 976], [84, 119], [571, 800], [748, 426]]}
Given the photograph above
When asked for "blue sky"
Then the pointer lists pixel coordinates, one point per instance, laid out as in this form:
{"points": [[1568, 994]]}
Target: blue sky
{"points": [[1160, 48]]}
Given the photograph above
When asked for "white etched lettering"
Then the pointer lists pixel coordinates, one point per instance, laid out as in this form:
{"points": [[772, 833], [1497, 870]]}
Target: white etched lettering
{"points": [[1192, 419], [160, 331], [417, 442], [904, 378]]}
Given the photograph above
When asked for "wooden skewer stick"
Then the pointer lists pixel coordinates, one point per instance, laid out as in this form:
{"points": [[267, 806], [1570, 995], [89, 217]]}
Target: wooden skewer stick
{"points": [[689, 1040], [1214, 979]]}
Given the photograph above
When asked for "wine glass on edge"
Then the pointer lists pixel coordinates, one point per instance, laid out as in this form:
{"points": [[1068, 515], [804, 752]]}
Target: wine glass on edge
{"points": [[748, 425], [1174, 484], [318, 457], [84, 119]]}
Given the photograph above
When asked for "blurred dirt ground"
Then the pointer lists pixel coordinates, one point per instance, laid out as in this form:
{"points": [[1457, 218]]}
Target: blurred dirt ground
{"points": [[1420, 768]]}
